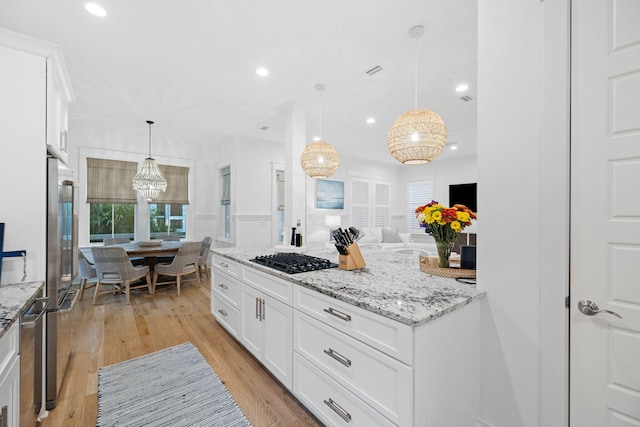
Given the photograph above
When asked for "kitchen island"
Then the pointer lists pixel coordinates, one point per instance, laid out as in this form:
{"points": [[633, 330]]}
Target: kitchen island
{"points": [[385, 345], [14, 298]]}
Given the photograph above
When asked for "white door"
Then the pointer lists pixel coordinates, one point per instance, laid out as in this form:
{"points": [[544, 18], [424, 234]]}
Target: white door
{"points": [[278, 339], [605, 213], [251, 325]]}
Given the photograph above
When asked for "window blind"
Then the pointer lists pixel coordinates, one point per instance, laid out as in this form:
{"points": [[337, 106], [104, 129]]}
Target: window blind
{"points": [[280, 190], [177, 185], [110, 181], [419, 194]]}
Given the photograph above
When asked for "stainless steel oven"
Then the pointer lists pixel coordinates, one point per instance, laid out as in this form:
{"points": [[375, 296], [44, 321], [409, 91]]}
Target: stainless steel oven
{"points": [[31, 360]]}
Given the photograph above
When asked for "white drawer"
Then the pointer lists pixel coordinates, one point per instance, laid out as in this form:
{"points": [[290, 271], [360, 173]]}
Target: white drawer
{"points": [[225, 314], [275, 287], [381, 381], [227, 286], [391, 337], [9, 345], [328, 400], [227, 266]]}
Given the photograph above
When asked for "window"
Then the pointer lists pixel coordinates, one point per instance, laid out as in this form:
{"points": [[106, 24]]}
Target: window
{"points": [[280, 205], [225, 200], [165, 218], [419, 193], [370, 203], [111, 199]]}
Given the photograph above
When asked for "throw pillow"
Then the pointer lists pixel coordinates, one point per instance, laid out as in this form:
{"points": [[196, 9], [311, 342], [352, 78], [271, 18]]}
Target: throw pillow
{"points": [[390, 235]]}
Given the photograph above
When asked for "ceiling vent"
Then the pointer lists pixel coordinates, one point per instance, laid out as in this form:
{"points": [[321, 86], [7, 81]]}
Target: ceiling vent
{"points": [[374, 70], [466, 98]]}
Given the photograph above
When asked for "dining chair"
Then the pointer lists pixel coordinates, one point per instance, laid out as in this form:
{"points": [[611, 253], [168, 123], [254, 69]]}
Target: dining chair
{"points": [[87, 273], [184, 262], [204, 256], [113, 267], [108, 241]]}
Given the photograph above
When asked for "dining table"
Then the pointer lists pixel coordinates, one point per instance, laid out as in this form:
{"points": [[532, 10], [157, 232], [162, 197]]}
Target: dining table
{"points": [[149, 250]]}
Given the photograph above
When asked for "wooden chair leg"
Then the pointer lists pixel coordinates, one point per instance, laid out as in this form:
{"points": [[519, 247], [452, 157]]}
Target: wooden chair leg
{"points": [[155, 281], [149, 284], [83, 284], [198, 278], [178, 277], [95, 294], [206, 271], [126, 291]]}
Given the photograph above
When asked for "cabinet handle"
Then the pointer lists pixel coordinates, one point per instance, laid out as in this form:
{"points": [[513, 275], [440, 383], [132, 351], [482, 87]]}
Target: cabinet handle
{"points": [[4, 417], [338, 410], [223, 286], [257, 308], [224, 313], [337, 356], [262, 310], [224, 264], [338, 314]]}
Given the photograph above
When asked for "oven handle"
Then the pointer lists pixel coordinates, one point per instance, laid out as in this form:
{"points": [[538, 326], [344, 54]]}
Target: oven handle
{"points": [[36, 319]]}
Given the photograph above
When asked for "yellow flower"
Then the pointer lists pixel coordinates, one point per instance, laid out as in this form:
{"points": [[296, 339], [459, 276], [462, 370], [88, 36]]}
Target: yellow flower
{"points": [[455, 225], [462, 216], [437, 216]]}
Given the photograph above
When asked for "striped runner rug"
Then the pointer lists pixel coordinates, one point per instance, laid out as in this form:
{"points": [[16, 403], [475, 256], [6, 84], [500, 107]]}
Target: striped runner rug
{"points": [[171, 387]]}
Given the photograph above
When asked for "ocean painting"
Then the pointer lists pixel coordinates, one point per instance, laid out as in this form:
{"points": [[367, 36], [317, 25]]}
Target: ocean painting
{"points": [[329, 194]]}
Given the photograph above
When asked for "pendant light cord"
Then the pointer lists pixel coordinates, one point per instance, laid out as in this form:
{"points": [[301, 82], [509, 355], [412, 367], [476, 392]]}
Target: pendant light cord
{"points": [[150, 123], [416, 76]]}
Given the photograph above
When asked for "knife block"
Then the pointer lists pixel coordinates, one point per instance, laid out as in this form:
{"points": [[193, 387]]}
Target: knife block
{"points": [[353, 260]]}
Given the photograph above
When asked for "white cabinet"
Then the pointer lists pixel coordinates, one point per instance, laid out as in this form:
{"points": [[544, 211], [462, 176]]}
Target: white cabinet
{"points": [[255, 308], [266, 331], [58, 97], [10, 377]]}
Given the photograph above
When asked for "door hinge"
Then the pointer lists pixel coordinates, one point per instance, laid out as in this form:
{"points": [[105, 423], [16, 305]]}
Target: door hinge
{"points": [[567, 302]]}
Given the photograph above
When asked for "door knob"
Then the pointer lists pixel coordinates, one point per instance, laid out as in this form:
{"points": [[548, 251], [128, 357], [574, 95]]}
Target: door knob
{"points": [[590, 308]]}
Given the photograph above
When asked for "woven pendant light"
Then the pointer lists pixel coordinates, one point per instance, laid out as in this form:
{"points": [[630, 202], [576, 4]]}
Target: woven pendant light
{"points": [[417, 136], [149, 181], [320, 159]]}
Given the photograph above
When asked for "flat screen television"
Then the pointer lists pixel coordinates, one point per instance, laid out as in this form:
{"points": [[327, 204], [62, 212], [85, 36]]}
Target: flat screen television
{"points": [[464, 194]]}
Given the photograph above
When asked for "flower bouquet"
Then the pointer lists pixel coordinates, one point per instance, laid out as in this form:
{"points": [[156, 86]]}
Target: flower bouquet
{"points": [[444, 224]]}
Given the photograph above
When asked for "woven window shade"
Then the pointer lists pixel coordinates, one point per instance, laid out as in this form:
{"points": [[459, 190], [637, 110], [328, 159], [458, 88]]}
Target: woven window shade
{"points": [[109, 181], [177, 185], [226, 185]]}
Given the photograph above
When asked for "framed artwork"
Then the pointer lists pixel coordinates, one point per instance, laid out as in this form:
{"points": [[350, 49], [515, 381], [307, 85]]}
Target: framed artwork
{"points": [[329, 194]]}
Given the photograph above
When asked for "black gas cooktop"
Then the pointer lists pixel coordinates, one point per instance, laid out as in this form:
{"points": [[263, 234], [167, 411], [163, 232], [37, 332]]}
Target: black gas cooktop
{"points": [[291, 262]]}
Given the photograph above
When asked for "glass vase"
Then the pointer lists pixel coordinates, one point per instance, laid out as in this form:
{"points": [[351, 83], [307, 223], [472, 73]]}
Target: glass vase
{"points": [[444, 252]]}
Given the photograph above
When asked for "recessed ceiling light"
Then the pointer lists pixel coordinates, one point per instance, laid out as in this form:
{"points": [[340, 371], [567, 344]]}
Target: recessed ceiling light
{"points": [[453, 146], [371, 120], [95, 9], [462, 88], [262, 72], [316, 138]]}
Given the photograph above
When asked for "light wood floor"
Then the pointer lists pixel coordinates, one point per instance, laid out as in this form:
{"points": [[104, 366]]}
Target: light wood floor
{"points": [[112, 331]]}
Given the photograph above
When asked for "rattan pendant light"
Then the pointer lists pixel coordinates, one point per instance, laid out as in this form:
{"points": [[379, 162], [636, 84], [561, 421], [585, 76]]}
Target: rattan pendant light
{"points": [[417, 136], [320, 159], [149, 181]]}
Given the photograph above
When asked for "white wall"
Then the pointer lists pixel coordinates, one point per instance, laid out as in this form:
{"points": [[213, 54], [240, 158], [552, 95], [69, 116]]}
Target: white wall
{"points": [[131, 146], [23, 167], [522, 198]]}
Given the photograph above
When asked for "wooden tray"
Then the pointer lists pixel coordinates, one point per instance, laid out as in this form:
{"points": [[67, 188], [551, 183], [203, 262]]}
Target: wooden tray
{"points": [[446, 272]]}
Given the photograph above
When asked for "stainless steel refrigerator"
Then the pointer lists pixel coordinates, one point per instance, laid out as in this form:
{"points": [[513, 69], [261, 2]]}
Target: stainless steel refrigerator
{"points": [[62, 256]]}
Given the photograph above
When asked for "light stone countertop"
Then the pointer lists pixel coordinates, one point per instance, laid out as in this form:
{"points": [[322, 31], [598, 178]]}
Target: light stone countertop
{"points": [[14, 298], [391, 284]]}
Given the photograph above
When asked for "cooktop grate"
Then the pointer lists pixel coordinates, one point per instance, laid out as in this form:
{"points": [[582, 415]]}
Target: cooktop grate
{"points": [[291, 262]]}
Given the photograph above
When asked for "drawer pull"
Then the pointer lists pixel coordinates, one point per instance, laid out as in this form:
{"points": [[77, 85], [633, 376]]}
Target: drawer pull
{"points": [[338, 314], [337, 356], [224, 264], [224, 313], [223, 286], [338, 410], [258, 306]]}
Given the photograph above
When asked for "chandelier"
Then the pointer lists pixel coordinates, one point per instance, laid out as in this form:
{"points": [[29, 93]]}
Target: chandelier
{"points": [[417, 136], [149, 180], [320, 159]]}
